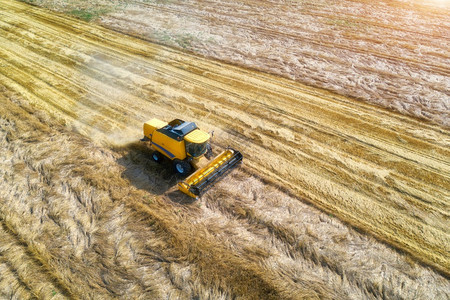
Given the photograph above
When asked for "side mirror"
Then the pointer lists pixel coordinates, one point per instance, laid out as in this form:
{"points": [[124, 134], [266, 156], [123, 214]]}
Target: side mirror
{"points": [[208, 153]]}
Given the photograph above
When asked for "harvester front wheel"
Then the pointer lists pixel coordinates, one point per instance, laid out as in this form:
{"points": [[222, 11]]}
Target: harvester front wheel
{"points": [[181, 167], [158, 157]]}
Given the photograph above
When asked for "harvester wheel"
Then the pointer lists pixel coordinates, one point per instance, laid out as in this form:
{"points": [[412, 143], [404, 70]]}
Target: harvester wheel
{"points": [[181, 167], [158, 157]]}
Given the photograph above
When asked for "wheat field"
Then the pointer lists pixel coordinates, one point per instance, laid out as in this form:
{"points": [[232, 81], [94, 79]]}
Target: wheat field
{"points": [[336, 198]]}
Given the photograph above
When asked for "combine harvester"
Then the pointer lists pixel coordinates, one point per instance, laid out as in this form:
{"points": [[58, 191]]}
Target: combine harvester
{"points": [[188, 147]]}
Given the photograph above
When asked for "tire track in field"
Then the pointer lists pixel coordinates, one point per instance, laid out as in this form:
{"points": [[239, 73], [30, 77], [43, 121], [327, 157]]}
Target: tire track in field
{"points": [[248, 133], [15, 229], [10, 284], [28, 271]]}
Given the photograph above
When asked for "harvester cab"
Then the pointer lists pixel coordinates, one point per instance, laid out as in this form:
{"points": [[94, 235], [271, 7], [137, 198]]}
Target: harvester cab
{"points": [[188, 147]]}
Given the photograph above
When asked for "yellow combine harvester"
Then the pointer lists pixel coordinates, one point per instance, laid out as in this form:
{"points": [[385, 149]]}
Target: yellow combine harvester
{"points": [[187, 146]]}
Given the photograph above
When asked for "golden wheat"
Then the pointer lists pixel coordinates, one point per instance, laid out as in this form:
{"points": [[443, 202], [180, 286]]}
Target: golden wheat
{"points": [[93, 216]]}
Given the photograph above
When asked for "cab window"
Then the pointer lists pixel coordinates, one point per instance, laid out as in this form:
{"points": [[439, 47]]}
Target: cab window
{"points": [[194, 149]]}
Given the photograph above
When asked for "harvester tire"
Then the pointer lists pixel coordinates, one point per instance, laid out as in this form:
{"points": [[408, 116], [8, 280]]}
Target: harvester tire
{"points": [[181, 167], [158, 157]]}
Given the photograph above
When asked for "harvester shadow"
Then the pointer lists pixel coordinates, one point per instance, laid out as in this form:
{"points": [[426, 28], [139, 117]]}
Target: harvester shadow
{"points": [[145, 174]]}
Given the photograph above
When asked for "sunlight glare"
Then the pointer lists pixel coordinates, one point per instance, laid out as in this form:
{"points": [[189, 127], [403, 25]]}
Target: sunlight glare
{"points": [[440, 3]]}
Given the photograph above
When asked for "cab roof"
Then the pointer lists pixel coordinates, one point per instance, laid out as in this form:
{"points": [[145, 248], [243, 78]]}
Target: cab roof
{"points": [[197, 136], [179, 129]]}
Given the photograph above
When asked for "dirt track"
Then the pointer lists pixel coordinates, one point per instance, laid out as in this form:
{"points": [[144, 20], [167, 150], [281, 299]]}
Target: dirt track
{"points": [[381, 172]]}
